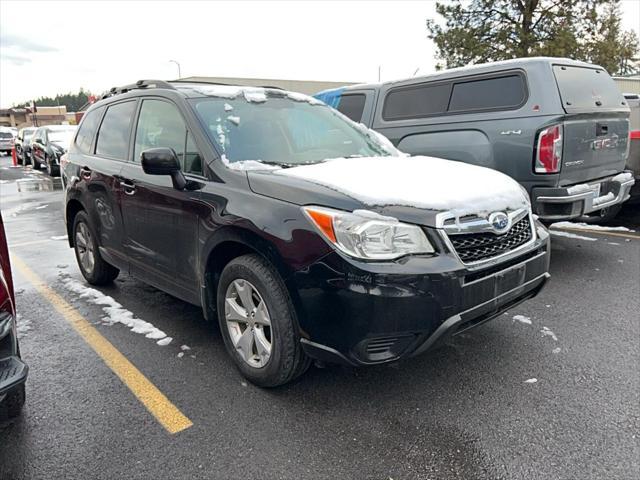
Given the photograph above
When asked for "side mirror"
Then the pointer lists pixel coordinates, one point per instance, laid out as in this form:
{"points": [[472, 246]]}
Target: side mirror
{"points": [[163, 161]]}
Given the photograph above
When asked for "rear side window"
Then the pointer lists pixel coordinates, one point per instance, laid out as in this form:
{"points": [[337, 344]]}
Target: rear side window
{"points": [[113, 136], [352, 106], [416, 101], [583, 88], [87, 129], [491, 93]]}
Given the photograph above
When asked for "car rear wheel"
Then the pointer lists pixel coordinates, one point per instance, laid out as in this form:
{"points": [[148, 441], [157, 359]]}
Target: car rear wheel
{"points": [[14, 402], [258, 322], [92, 266]]}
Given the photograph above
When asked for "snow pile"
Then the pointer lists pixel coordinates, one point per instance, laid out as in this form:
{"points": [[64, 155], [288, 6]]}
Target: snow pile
{"points": [[522, 319], [248, 165], [623, 177], [586, 226], [116, 313], [546, 332], [422, 182], [255, 95], [233, 119], [558, 233], [301, 97], [531, 380]]}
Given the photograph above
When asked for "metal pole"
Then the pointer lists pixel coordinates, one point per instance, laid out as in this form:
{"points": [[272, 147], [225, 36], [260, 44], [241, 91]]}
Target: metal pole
{"points": [[178, 65]]}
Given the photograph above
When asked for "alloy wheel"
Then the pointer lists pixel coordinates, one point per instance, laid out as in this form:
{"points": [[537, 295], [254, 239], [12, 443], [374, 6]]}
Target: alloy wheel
{"points": [[248, 322], [84, 247]]}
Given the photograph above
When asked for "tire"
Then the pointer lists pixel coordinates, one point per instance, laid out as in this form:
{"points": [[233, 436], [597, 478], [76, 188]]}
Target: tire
{"points": [[52, 170], [286, 359], [602, 216], [92, 266], [14, 402]]}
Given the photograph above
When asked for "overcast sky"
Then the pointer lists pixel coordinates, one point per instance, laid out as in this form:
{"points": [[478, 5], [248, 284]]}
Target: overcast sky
{"points": [[56, 47]]}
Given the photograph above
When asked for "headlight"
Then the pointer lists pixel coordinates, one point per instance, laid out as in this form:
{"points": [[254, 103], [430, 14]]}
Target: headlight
{"points": [[367, 235]]}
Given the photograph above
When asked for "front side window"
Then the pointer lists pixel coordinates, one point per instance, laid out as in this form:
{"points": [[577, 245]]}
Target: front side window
{"points": [[352, 106], [281, 130], [160, 125], [113, 136]]}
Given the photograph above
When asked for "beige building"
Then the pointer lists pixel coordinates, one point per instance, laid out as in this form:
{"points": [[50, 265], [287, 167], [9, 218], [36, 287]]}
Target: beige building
{"points": [[628, 84], [303, 86], [22, 117]]}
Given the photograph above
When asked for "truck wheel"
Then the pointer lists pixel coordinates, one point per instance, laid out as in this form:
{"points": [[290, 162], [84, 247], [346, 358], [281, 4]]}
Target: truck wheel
{"points": [[92, 266], [603, 216], [258, 322]]}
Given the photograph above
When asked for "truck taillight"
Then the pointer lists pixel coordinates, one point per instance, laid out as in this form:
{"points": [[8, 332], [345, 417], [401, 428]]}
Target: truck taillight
{"points": [[549, 151]]}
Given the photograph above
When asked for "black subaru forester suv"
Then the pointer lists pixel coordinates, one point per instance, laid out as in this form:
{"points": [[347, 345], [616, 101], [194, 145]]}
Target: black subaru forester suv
{"points": [[306, 235]]}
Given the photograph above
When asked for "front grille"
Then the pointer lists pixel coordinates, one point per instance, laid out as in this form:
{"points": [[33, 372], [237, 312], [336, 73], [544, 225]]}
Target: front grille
{"points": [[472, 247]]}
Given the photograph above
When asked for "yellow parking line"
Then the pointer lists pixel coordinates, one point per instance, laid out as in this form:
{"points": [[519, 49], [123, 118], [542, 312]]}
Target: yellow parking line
{"points": [[600, 232], [153, 399]]}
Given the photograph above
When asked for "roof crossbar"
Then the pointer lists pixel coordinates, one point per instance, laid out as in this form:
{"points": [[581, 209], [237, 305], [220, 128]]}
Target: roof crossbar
{"points": [[140, 84]]}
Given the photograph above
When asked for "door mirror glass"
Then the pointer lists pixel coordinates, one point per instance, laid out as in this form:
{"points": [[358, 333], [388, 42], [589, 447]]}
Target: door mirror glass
{"points": [[163, 161], [159, 161]]}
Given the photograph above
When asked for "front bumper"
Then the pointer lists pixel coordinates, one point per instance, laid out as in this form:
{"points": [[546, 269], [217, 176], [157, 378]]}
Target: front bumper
{"points": [[358, 314], [13, 371], [565, 203]]}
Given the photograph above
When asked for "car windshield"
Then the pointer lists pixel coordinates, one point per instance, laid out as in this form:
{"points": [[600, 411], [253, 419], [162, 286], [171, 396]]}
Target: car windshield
{"points": [[61, 136], [27, 133], [283, 129], [5, 135]]}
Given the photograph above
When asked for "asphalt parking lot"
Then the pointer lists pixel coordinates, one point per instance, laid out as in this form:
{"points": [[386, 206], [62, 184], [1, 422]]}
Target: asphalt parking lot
{"points": [[470, 410]]}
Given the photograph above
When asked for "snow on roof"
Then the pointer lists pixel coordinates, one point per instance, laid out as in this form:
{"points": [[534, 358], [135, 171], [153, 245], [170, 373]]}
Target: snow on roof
{"points": [[422, 182]]}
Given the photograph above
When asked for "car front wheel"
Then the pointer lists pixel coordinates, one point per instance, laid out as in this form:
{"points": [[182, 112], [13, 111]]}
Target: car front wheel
{"points": [[92, 266], [258, 322]]}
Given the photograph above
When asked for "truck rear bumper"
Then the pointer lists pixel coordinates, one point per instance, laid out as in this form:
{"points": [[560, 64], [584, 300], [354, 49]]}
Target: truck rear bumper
{"points": [[564, 203]]}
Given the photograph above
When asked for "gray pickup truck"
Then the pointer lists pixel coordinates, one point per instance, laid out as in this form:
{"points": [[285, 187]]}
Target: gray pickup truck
{"points": [[559, 127]]}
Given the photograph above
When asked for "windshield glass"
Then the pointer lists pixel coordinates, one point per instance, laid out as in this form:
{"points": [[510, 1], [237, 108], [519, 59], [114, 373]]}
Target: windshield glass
{"points": [[277, 129], [62, 137], [27, 133]]}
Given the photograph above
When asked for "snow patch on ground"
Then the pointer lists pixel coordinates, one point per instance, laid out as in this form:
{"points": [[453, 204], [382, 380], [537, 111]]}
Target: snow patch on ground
{"points": [[557, 350], [59, 237], [522, 319], [558, 233], [586, 226], [185, 347], [23, 326], [116, 313], [422, 182], [39, 207], [531, 380], [613, 243], [546, 332]]}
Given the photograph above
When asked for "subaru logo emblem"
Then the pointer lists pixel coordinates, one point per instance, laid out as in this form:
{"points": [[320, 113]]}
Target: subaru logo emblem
{"points": [[499, 222]]}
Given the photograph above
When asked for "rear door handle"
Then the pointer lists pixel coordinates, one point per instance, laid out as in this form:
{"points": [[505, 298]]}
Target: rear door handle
{"points": [[85, 173]]}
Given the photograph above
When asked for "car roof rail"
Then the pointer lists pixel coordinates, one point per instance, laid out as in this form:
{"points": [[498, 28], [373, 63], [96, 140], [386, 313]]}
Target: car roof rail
{"points": [[140, 84], [204, 82]]}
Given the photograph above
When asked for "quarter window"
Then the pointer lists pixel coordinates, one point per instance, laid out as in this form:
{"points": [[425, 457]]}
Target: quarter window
{"points": [[87, 129], [113, 137], [502, 92], [352, 106]]}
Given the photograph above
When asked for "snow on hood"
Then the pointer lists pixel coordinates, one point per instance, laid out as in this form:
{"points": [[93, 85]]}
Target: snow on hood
{"points": [[421, 182]]}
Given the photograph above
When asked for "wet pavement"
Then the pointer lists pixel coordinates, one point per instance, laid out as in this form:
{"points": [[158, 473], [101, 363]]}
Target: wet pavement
{"points": [[465, 411]]}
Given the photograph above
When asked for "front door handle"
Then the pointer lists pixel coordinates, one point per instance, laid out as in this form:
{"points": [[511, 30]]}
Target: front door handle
{"points": [[85, 173], [128, 187]]}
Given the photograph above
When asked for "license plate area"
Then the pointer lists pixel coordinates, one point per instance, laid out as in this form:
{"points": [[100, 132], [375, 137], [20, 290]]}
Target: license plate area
{"points": [[509, 279]]}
